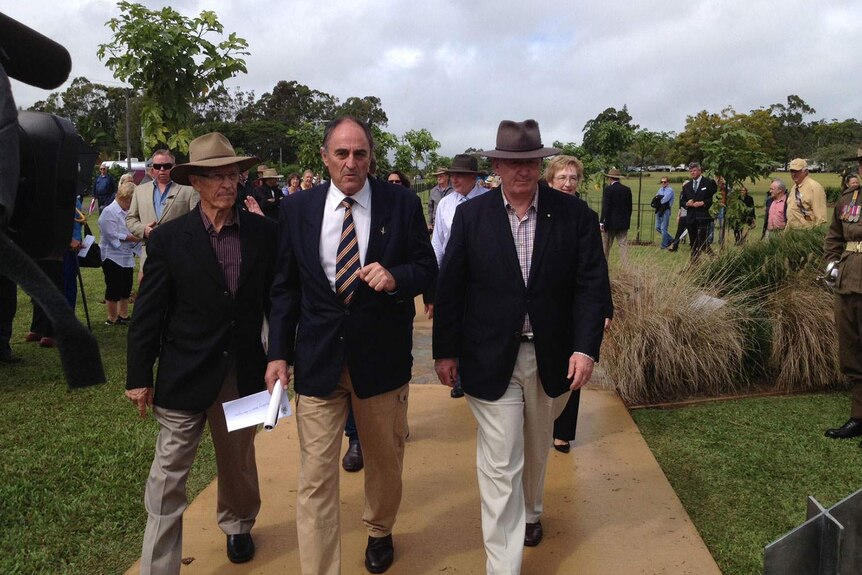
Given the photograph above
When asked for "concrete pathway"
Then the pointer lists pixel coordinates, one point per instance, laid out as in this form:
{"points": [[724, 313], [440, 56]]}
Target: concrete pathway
{"points": [[608, 506]]}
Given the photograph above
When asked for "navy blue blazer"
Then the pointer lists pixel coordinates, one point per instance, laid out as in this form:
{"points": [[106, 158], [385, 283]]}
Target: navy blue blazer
{"points": [[310, 326], [481, 297], [185, 316]]}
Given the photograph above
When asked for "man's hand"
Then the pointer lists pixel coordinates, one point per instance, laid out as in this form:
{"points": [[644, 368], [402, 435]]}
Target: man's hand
{"points": [[149, 228], [75, 245], [580, 370], [277, 369], [141, 397], [377, 277], [429, 310], [447, 371], [608, 323], [252, 206]]}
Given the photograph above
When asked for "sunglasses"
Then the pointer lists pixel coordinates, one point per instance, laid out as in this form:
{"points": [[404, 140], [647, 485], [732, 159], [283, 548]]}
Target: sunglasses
{"points": [[396, 181], [158, 167]]}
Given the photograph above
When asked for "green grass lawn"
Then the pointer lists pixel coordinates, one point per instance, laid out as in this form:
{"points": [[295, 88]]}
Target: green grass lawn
{"points": [[744, 468], [74, 463]]}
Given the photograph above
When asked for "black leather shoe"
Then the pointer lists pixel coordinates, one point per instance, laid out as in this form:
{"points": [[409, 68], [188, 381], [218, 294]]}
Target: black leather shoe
{"points": [[352, 460], [851, 428], [379, 554], [533, 535], [10, 359], [240, 548], [456, 392], [562, 447]]}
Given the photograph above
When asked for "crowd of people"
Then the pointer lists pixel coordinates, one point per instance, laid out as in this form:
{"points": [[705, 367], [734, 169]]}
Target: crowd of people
{"points": [[513, 272]]}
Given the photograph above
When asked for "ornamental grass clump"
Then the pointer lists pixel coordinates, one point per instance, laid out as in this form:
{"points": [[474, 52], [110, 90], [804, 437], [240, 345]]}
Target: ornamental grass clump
{"points": [[672, 340], [765, 265], [804, 345]]}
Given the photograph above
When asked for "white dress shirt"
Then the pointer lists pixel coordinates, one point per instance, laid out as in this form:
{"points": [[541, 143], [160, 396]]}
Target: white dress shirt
{"points": [[333, 220], [444, 216]]}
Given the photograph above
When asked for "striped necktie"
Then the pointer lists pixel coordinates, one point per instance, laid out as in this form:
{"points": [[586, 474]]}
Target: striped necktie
{"points": [[347, 260]]}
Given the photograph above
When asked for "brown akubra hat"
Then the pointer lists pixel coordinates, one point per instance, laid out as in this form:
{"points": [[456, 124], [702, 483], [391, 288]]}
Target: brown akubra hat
{"points": [[519, 141], [463, 164], [211, 150]]}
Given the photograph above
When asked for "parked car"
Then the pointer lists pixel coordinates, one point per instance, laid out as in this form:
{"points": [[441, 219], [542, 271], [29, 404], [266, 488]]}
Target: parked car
{"points": [[679, 168], [139, 169]]}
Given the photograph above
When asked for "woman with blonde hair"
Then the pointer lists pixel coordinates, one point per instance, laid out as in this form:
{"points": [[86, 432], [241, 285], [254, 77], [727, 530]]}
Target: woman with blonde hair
{"points": [[565, 173], [118, 245]]}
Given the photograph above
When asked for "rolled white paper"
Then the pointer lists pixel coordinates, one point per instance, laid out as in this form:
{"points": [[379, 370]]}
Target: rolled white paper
{"points": [[274, 406]]}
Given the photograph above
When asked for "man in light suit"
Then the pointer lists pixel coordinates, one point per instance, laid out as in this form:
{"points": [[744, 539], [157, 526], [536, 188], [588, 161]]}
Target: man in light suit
{"points": [[519, 314], [353, 253], [199, 313], [696, 197], [158, 201]]}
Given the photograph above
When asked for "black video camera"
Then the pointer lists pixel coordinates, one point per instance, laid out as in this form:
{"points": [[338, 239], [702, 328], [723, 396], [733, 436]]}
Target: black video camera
{"points": [[41, 157]]}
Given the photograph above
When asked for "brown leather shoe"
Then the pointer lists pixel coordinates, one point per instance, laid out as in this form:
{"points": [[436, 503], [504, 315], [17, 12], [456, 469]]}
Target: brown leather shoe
{"points": [[533, 535], [32, 336], [352, 460], [47, 342]]}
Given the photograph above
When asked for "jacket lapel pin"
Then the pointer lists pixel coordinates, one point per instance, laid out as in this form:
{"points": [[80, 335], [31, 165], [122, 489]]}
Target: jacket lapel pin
{"points": [[383, 231]]}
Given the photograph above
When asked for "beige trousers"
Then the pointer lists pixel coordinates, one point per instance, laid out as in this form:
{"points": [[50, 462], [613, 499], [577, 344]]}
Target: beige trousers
{"points": [[621, 236], [382, 424], [514, 438], [165, 496]]}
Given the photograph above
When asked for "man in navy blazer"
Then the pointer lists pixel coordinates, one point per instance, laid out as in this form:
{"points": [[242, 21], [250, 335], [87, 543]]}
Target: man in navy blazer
{"points": [[348, 347], [199, 313], [696, 197], [519, 313]]}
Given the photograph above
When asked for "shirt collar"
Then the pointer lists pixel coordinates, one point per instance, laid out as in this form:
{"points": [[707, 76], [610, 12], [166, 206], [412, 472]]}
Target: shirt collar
{"points": [[362, 197], [533, 204], [208, 225]]}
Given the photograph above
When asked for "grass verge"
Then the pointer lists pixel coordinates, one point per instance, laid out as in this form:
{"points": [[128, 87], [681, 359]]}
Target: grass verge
{"points": [[743, 468], [74, 463]]}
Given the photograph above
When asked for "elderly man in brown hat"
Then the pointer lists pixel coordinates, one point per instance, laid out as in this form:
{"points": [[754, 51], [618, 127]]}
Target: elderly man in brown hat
{"points": [[464, 173], [519, 316], [199, 313], [268, 195]]}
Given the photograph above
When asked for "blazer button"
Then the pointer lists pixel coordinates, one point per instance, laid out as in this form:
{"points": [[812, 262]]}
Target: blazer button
{"points": [[226, 294], [224, 353]]}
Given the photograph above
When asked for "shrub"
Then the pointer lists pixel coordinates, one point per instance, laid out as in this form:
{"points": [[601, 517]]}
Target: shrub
{"points": [[765, 265], [672, 340], [804, 345], [754, 317]]}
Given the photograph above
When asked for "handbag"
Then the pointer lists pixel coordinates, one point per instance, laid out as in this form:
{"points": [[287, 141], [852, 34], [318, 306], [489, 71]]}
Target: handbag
{"points": [[93, 257]]}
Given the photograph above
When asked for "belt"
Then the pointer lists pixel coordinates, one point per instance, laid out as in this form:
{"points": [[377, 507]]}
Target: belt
{"points": [[526, 336], [853, 247]]}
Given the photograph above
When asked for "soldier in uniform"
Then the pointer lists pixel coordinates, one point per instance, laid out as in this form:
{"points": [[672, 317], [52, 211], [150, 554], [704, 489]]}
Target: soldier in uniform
{"points": [[844, 245]]}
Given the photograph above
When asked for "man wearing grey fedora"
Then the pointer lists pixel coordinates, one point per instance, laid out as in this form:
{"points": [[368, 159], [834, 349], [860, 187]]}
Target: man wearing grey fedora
{"points": [[519, 316], [463, 173], [199, 315]]}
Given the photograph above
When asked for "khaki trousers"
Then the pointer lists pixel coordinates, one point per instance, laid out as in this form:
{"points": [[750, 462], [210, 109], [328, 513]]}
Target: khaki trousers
{"points": [[848, 322], [382, 424], [514, 438], [621, 236], [165, 496]]}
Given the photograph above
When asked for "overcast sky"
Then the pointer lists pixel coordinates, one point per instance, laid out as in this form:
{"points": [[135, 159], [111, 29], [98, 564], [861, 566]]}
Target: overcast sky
{"points": [[459, 67]]}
